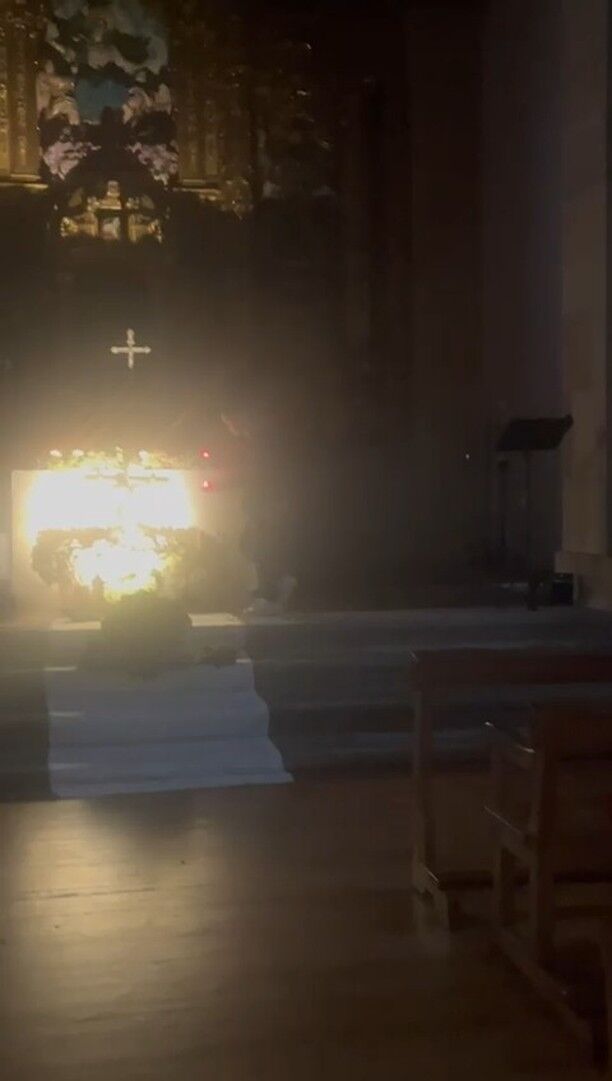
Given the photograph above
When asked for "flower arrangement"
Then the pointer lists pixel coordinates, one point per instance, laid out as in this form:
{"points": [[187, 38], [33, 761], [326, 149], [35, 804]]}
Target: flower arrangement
{"points": [[117, 460], [205, 572]]}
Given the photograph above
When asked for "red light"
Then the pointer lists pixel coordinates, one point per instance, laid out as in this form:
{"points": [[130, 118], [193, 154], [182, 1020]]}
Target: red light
{"points": [[205, 454], [206, 486]]}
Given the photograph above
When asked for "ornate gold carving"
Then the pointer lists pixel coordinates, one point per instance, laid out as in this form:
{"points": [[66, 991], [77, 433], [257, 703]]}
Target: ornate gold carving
{"points": [[84, 224], [112, 198], [142, 228], [212, 106], [21, 108], [5, 148], [191, 128], [26, 15], [211, 139], [20, 24], [111, 218]]}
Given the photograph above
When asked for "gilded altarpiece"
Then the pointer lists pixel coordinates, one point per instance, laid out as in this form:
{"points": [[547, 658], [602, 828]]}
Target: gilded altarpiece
{"points": [[253, 118]]}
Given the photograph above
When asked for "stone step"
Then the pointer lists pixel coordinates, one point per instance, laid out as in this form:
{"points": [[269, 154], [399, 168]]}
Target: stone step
{"points": [[180, 705], [83, 772], [333, 687]]}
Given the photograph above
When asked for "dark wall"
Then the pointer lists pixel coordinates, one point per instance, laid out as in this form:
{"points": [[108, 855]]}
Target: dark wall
{"points": [[413, 486], [444, 485], [522, 236]]}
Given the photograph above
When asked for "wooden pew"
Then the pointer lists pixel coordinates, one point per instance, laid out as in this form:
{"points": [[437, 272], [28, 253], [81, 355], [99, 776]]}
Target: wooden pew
{"points": [[606, 956], [551, 808], [434, 676]]}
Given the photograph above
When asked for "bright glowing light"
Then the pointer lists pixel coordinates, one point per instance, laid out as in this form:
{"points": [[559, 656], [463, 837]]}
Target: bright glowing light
{"points": [[78, 499], [130, 564], [128, 503]]}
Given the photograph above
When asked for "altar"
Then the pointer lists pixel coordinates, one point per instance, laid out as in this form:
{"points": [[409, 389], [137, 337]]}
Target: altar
{"points": [[94, 528], [86, 531]]}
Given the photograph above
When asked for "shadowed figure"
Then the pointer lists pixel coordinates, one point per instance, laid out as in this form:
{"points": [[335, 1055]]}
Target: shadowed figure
{"points": [[260, 455]]}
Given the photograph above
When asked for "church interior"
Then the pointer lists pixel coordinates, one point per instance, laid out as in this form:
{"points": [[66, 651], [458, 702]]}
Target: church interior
{"points": [[305, 540], [346, 227]]}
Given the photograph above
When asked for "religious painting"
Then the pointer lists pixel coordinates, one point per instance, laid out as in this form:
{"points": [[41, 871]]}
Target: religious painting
{"points": [[103, 92]]}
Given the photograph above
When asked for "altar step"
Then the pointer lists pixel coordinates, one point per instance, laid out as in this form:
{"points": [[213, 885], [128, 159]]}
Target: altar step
{"points": [[333, 689], [85, 772], [337, 689], [97, 733], [192, 726]]}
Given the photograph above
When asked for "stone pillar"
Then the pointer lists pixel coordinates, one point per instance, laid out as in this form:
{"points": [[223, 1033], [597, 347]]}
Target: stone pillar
{"points": [[587, 503]]}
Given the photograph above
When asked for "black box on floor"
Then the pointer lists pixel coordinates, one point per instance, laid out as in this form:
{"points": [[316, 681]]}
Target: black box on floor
{"points": [[562, 590]]}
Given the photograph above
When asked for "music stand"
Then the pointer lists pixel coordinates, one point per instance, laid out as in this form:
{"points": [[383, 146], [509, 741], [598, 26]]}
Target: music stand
{"points": [[526, 436]]}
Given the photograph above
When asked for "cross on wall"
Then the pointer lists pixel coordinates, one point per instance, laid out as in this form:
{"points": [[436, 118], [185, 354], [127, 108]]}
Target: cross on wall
{"points": [[131, 350]]}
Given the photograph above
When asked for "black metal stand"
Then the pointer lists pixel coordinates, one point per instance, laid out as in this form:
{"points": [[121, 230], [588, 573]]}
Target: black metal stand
{"points": [[525, 436]]}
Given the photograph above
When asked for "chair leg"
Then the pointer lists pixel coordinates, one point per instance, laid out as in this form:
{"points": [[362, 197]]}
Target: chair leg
{"points": [[541, 877], [541, 910], [606, 956], [504, 885], [424, 848]]}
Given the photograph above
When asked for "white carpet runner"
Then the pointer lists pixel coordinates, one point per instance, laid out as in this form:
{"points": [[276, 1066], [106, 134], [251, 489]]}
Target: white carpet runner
{"points": [[193, 727]]}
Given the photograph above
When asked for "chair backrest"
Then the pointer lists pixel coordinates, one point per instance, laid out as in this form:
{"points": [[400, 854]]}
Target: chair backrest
{"points": [[572, 729], [448, 669]]}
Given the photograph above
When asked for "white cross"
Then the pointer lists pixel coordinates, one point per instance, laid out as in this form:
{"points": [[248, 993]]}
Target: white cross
{"points": [[131, 350]]}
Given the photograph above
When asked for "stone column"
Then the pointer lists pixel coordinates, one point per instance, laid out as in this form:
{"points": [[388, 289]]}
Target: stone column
{"points": [[587, 504]]}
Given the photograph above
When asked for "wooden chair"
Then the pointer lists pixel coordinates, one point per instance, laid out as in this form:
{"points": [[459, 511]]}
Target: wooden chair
{"points": [[552, 814], [606, 956], [434, 677]]}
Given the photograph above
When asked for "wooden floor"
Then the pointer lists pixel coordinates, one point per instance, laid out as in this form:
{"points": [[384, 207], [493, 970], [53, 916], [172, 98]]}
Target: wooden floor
{"points": [[247, 935]]}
